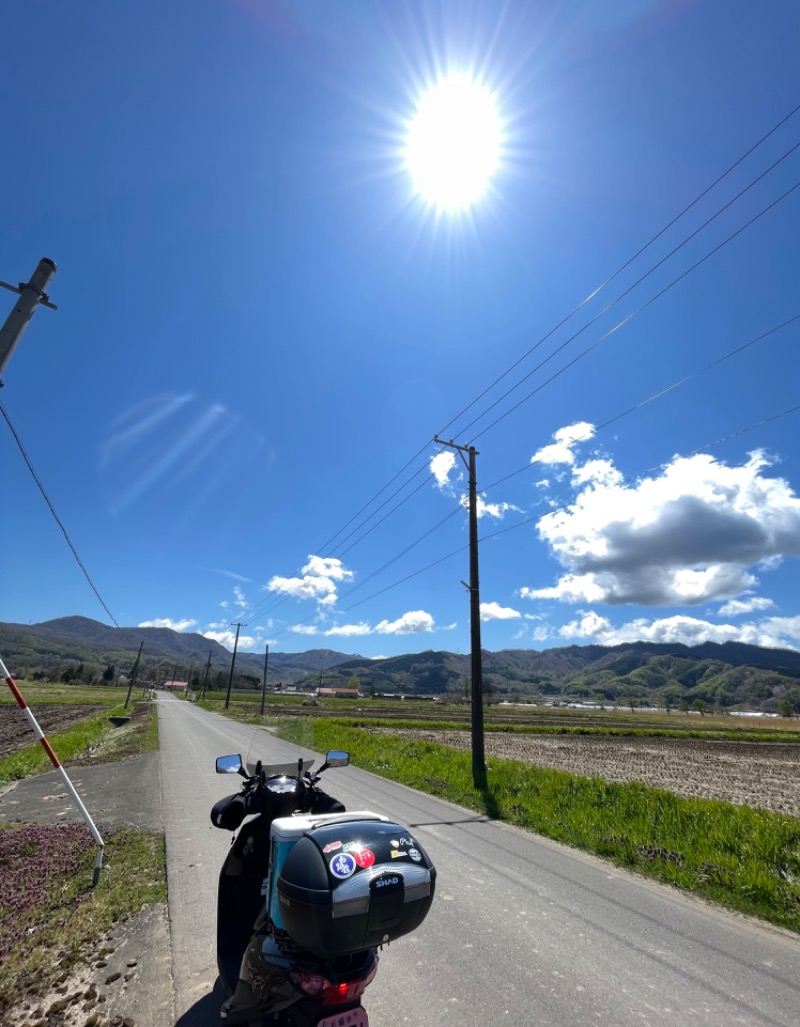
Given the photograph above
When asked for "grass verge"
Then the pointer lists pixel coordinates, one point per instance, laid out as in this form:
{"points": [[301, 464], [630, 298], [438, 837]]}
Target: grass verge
{"points": [[50, 916], [746, 859], [51, 919], [95, 734]]}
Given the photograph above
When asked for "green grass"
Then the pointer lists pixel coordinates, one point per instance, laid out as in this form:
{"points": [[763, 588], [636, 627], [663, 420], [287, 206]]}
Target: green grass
{"points": [[411, 713], [51, 919], [37, 692], [746, 859], [56, 929], [713, 733], [93, 735]]}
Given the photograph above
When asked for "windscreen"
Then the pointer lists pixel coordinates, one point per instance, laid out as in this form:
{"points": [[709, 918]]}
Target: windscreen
{"points": [[260, 745]]}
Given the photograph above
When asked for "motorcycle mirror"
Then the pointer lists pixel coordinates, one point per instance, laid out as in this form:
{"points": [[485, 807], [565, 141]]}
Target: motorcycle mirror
{"points": [[337, 758], [229, 764]]}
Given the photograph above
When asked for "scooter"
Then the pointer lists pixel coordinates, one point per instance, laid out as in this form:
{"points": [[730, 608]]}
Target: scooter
{"points": [[306, 895]]}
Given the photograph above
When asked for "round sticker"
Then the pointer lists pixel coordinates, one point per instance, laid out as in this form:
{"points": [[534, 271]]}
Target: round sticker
{"points": [[415, 854], [342, 865], [364, 858]]}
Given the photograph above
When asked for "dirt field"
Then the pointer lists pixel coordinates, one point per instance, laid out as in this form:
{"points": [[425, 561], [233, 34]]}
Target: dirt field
{"points": [[15, 732], [764, 775]]}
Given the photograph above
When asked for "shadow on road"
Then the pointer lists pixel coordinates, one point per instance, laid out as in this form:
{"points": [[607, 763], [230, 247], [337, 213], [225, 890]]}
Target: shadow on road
{"points": [[205, 1012]]}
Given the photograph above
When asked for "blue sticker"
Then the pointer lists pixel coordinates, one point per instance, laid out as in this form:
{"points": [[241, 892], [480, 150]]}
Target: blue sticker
{"points": [[343, 865]]}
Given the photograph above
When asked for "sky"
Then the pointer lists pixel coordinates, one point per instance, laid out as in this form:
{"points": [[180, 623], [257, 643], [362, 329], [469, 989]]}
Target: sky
{"points": [[286, 264]]}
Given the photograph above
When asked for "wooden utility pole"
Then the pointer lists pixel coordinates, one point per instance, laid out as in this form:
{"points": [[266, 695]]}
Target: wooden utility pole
{"points": [[205, 675], [264, 684], [133, 675], [478, 752], [233, 660]]}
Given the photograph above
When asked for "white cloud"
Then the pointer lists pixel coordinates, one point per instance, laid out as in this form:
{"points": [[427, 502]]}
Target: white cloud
{"points": [[320, 577], [772, 632], [239, 598], [168, 622], [494, 611], [412, 623], [228, 639], [590, 625], [349, 630], [497, 510], [739, 606], [560, 451], [441, 465], [686, 536]]}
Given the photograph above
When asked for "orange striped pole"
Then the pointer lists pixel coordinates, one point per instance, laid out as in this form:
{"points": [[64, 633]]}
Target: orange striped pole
{"points": [[98, 863]]}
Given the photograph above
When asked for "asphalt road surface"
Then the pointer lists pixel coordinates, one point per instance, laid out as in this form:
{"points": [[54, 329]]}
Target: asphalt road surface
{"points": [[521, 932]]}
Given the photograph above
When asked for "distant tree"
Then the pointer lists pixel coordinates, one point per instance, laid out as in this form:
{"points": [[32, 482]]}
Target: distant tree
{"points": [[353, 682], [600, 699], [700, 706], [108, 674], [683, 706], [786, 707], [632, 702]]}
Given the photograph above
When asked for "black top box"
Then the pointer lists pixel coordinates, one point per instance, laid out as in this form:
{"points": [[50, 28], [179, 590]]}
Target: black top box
{"points": [[350, 886]]}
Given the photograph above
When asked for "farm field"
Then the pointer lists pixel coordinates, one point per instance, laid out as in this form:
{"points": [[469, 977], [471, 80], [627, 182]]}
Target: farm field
{"points": [[15, 733], [764, 775]]}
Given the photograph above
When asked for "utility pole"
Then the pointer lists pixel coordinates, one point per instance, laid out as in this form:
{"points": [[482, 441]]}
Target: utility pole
{"points": [[31, 295], [133, 675], [233, 660], [205, 676], [264, 685], [478, 753], [189, 682]]}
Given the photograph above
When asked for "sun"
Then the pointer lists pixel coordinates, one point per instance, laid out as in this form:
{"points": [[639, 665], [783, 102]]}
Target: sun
{"points": [[454, 143]]}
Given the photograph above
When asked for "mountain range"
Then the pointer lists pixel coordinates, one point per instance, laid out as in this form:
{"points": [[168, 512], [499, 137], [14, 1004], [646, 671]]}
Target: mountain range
{"points": [[726, 675]]}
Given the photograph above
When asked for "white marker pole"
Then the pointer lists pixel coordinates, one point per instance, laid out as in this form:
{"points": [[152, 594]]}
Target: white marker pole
{"points": [[98, 863]]}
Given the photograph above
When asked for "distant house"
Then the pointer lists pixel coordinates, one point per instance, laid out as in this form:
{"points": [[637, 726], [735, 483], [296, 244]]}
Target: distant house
{"points": [[337, 693], [176, 686]]}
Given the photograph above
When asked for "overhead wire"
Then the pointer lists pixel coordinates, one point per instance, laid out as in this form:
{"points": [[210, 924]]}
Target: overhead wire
{"points": [[611, 420], [627, 263], [685, 210], [593, 320], [662, 392], [634, 313], [52, 509], [536, 517], [603, 337]]}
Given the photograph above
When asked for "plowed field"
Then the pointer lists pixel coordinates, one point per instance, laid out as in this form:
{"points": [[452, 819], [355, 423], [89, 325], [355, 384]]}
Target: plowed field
{"points": [[764, 775], [15, 732]]}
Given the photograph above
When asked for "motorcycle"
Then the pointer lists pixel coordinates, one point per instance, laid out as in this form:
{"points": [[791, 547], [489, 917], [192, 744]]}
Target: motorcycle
{"points": [[307, 893]]}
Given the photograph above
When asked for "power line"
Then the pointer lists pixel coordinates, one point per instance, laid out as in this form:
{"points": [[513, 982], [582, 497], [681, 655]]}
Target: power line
{"points": [[527, 466], [564, 320], [594, 293], [597, 342], [625, 320], [52, 509], [662, 392], [628, 262], [536, 517]]}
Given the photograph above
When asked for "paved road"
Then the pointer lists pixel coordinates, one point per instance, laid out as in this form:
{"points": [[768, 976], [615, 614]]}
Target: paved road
{"points": [[522, 931]]}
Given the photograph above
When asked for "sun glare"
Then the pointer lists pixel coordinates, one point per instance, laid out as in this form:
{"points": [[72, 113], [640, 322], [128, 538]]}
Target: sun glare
{"points": [[453, 143]]}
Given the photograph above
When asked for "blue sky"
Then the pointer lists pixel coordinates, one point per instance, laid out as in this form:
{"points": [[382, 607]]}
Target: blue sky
{"points": [[262, 323]]}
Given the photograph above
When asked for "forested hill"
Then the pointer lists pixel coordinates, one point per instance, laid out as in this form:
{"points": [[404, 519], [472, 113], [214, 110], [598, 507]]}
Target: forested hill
{"points": [[725, 675]]}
